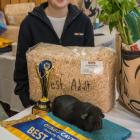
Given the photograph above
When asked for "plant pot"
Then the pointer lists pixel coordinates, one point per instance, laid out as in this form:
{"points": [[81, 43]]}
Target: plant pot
{"points": [[129, 81]]}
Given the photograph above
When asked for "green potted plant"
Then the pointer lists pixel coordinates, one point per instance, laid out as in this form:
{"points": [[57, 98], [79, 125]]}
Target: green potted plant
{"points": [[125, 17]]}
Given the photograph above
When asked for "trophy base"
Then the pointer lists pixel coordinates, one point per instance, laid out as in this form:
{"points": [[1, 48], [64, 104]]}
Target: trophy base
{"points": [[41, 107], [38, 111]]}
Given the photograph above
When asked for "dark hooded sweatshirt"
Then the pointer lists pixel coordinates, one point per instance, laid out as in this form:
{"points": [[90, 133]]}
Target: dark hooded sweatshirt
{"points": [[35, 28]]}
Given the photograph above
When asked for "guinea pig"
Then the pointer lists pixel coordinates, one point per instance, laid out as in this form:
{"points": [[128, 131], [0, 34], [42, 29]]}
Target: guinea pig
{"points": [[84, 115]]}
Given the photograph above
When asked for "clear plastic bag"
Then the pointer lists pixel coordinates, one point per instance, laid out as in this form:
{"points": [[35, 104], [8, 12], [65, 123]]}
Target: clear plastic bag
{"points": [[3, 26], [88, 73], [132, 21]]}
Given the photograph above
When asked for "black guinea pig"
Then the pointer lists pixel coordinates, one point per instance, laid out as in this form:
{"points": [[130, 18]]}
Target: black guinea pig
{"points": [[84, 115]]}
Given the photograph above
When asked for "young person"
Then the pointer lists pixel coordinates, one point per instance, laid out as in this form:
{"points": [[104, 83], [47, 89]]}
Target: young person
{"points": [[56, 22]]}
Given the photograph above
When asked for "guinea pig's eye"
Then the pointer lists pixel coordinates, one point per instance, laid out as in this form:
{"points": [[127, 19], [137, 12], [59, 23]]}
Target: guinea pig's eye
{"points": [[84, 116]]}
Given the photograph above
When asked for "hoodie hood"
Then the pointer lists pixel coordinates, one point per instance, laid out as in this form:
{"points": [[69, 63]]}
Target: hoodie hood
{"points": [[38, 12]]}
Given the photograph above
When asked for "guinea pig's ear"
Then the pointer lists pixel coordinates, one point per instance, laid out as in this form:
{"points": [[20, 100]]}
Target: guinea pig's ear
{"points": [[84, 116]]}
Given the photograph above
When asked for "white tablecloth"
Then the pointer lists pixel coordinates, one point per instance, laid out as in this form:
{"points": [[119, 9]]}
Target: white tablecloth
{"points": [[105, 40], [7, 85], [118, 115]]}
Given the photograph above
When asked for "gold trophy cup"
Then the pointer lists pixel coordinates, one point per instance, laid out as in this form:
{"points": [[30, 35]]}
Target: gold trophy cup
{"points": [[43, 70]]}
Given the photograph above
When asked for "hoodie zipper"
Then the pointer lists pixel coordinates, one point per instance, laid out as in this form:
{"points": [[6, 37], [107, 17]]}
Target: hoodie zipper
{"points": [[65, 27]]}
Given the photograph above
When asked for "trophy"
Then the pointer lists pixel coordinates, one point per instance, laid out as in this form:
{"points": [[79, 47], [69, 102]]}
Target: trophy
{"points": [[43, 71]]}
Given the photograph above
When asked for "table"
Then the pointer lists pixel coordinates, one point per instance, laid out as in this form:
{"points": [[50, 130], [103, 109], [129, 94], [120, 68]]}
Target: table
{"points": [[7, 85], [118, 115], [7, 62], [107, 39]]}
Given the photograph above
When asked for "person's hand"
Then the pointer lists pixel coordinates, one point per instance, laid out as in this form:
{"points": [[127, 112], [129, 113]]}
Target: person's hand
{"points": [[87, 12]]}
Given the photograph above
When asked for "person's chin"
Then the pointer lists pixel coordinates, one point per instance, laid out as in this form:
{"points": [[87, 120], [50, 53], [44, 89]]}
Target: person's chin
{"points": [[60, 6], [61, 1]]}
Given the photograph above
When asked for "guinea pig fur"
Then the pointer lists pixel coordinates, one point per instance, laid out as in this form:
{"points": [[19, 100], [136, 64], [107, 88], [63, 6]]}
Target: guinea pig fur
{"points": [[84, 115]]}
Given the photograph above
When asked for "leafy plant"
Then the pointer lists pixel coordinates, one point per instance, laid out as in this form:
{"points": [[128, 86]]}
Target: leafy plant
{"points": [[117, 14]]}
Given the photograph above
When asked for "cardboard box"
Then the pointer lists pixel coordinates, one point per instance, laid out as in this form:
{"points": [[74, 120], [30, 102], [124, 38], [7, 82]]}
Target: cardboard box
{"points": [[15, 13]]}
